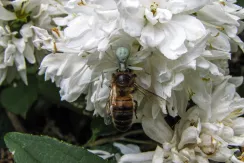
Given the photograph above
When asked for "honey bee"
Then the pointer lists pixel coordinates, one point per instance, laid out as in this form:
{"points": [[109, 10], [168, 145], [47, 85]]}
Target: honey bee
{"points": [[121, 106]]}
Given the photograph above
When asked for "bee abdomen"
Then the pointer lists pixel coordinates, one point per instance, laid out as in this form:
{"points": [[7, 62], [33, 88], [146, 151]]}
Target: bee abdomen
{"points": [[122, 118]]}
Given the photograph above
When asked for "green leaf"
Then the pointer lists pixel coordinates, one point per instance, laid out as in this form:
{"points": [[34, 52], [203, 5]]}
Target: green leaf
{"points": [[100, 128], [19, 99], [240, 2], [49, 90], [5, 126], [42, 149]]}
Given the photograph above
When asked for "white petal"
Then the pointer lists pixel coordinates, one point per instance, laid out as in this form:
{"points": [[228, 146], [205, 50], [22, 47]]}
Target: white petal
{"points": [[150, 17], [236, 141], [19, 61], [176, 6], [201, 90], [237, 81], [140, 157], [9, 54], [189, 56], [158, 156], [77, 26], [19, 43], [194, 28], [173, 45], [127, 149], [152, 35], [221, 42], [175, 81], [133, 26], [163, 15], [3, 74], [41, 33], [195, 5], [26, 31], [157, 129], [205, 64], [215, 14], [238, 126], [23, 76], [189, 136], [231, 30], [222, 97], [131, 6], [6, 15], [29, 53], [222, 155]]}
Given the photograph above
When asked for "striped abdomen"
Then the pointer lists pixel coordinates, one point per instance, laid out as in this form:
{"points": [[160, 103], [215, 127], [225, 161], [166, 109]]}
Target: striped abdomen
{"points": [[122, 113]]}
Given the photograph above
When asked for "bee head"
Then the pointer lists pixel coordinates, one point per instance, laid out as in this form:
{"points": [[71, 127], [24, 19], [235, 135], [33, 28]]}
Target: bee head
{"points": [[122, 54]]}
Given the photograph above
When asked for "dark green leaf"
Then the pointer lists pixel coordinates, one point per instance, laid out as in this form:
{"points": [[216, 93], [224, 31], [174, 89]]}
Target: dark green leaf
{"points": [[19, 99], [42, 149], [100, 128], [49, 90], [5, 126], [240, 2]]}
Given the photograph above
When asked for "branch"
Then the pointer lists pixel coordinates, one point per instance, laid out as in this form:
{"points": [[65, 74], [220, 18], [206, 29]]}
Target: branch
{"points": [[120, 138], [15, 122]]}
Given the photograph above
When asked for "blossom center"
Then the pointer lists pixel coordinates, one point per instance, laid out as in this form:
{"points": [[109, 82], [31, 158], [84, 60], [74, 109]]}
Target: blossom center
{"points": [[209, 145], [81, 3], [153, 8], [222, 2]]}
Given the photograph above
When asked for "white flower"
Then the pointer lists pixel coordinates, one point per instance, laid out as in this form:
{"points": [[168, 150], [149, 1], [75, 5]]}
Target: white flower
{"points": [[91, 25], [213, 130], [102, 154], [173, 56], [159, 24], [222, 19], [15, 50], [16, 34]]}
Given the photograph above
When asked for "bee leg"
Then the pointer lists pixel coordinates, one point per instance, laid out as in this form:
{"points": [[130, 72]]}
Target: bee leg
{"points": [[135, 108]]}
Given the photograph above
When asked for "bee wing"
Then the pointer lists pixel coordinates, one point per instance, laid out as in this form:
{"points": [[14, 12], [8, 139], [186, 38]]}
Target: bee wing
{"points": [[149, 93], [107, 116], [107, 119]]}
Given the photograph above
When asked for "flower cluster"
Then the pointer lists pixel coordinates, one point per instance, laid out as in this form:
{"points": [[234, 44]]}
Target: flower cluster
{"points": [[179, 51], [16, 35]]}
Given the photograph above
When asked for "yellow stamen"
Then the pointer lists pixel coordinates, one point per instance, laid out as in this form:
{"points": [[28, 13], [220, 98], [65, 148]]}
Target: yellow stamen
{"points": [[81, 3], [56, 30], [241, 157], [154, 7], [206, 79], [222, 3], [55, 49], [220, 28], [217, 34]]}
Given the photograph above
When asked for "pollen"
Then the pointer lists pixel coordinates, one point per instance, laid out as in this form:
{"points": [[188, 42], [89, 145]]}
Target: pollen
{"points": [[220, 28], [81, 3], [56, 30], [222, 2], [154, 7], [206, 79], [55, 49], [217, 34], [241, 157]]}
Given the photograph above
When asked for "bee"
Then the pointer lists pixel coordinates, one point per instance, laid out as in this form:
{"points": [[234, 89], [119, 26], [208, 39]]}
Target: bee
{"points": [[121, 106]]}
